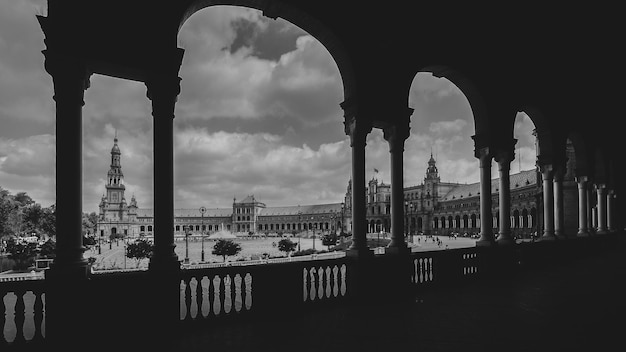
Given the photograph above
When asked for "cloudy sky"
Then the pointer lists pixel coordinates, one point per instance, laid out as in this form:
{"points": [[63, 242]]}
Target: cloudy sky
{"points": [[258, 114]]}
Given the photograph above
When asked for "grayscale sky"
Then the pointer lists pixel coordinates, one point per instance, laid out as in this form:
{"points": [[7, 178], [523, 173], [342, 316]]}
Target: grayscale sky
{"points": [[258, 114]]}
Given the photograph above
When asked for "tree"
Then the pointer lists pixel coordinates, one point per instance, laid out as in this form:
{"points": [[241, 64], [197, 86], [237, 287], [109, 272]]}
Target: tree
{"points": [[22, 253], [286, 245], [48, 221], [48, 249], [32, 216], [89, 241], [89, 222], [329, 240], [7, 205], [140, 249], [226, 248]]}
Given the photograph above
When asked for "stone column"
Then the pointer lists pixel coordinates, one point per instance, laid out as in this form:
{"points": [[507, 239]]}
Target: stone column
{"points": [[559, 221], [547, 173], [583, 230], [67, 278], [609, 210], [590, 223], [395, 135], [163, 91], [358, 131], [486, 230], [70, 78], [504, 159], [601, 192]]}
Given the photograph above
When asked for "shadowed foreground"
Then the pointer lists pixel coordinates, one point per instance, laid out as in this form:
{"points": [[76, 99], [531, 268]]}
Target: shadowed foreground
{"points": [[573, 306]]}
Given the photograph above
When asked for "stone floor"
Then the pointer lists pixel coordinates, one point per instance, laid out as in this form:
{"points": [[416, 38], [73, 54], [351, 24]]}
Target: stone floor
{"points": [[579, 305]]}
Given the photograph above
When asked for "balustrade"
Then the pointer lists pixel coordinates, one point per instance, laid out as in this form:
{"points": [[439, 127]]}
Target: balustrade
{"points": [[214, 294], [22, 312]]}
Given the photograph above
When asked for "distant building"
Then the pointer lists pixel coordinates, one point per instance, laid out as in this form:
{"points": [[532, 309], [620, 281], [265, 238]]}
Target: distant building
{"points": [[119, 218], [432, 207], [436, 207]]}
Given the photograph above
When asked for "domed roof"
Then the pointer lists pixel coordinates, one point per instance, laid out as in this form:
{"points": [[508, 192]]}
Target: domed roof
{"points": [[115, 149]]}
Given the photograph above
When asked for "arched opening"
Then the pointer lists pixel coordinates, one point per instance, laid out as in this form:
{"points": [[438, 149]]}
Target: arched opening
{"points": [[440, 147]]}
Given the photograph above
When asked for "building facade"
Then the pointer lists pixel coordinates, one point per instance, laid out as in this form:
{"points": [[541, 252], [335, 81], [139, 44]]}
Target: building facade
{"points": [[438, 208], [117, 218], [432, 207]]}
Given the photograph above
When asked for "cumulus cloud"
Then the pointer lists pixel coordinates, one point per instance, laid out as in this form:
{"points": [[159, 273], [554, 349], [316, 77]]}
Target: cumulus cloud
{"points": [[298, 153], [303, 83], [218, 165], [447, 127], [28, 165]]}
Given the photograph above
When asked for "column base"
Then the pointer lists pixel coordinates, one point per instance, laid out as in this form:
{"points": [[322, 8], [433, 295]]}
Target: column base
{"points": [[505, 239], [548, 236], [582, 233], [484, 243], [602, 232]]}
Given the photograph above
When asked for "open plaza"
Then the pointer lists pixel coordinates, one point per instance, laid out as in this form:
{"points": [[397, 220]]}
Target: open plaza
{"points": [[111, 256]]}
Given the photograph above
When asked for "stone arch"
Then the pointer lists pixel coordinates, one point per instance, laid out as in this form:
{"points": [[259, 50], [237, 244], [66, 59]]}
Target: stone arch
{"points": [[468, 88], [545, 136], [274, 9]]}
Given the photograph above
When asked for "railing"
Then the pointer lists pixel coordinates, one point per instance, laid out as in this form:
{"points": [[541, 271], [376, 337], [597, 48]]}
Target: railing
{"points": [[226, 292], [22, 312], [219, 294], [441, 267]]}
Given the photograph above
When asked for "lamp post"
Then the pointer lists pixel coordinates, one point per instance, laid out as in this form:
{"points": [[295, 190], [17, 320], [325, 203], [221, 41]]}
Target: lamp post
{"points": [[185, 228], [202, 211], [300, 234], [314, 228], [411, 229]]}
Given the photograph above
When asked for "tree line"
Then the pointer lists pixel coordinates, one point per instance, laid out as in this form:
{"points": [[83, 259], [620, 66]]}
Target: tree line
{"points": [[21, 216]]}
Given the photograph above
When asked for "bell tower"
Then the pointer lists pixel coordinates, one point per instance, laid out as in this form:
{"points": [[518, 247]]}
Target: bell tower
{"points": [[115, 205]]}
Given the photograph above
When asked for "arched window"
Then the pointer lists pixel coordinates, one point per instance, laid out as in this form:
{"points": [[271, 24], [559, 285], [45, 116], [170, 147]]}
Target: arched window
{"points": [[516, 223], [149, 227], [525, 218]]}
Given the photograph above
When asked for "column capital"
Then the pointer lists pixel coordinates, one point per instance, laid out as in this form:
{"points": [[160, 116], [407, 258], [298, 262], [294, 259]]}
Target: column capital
{"points": [[395, 134], [163, 87], [484, 155], [356, 128], [70, 76], [582, 179], [600, 186], [547, 171]]}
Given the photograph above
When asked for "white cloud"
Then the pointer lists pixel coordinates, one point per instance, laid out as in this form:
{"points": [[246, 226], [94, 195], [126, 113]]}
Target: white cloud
{"points": [[27, 165], [447, 127]]}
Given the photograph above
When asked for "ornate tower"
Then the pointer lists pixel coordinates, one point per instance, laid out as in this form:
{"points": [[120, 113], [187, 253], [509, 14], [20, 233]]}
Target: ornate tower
{"points": [[113, 205], [431, 183]]}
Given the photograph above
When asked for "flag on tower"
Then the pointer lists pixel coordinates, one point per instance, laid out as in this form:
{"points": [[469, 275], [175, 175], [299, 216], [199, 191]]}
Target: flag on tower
{"points": [[375, 170]]}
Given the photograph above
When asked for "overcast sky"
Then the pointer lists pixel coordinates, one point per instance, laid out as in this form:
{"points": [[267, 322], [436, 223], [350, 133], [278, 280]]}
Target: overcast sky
{"points": [[258, 114]]}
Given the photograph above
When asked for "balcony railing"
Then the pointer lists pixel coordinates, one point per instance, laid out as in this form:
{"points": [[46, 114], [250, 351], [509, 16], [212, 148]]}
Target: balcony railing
{"points": [[217, 294]]}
